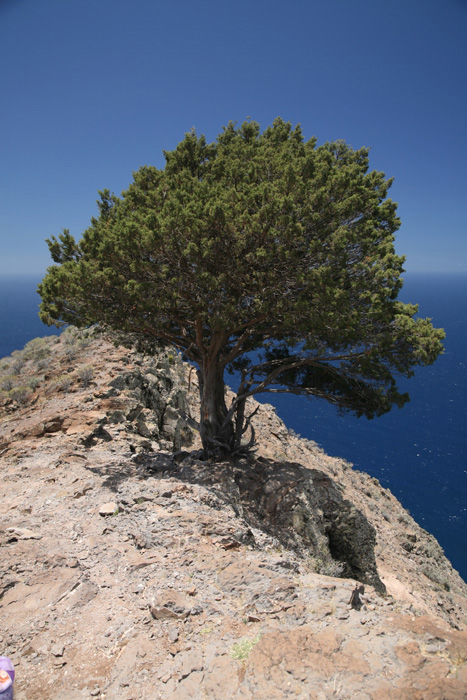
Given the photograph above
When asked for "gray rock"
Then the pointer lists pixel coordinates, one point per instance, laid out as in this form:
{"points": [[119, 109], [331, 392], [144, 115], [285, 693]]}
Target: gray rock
{"points": [[57, 650]]}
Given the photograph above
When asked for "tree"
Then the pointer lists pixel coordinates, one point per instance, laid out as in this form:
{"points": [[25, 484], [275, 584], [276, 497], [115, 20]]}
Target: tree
{"points": [[260, 253]]}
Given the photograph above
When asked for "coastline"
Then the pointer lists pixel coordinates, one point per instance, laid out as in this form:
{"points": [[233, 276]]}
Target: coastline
{"points": [[417, 452]]}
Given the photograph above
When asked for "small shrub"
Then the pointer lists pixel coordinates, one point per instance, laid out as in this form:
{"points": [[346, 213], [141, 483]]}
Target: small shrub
{"points": [[85, 342], [69, 336], [20, 394], [85, 374], [242, 649], [18, 365], [403, 518], [34, 382], [331, 567], [62, 383], [71, 353], [436, 575], [293, 433], [8, 382], [37, 349], [43, 364], [42, 353]]}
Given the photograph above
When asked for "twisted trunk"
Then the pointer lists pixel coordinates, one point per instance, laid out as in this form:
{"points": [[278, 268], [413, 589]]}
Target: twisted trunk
{"points": [[217, 434]]}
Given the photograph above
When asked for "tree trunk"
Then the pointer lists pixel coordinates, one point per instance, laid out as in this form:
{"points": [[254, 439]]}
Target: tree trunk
{"points": [[218, 437]]}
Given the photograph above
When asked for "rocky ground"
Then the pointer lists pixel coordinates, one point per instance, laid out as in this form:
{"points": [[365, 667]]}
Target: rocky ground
{"points": [[132, 569]]}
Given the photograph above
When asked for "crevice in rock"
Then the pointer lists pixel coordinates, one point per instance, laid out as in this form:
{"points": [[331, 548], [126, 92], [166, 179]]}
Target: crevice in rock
{"points": [[302, 509]]}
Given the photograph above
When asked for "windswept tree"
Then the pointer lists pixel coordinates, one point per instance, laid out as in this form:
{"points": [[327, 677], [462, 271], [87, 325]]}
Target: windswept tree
{"points": [[260, 253]]}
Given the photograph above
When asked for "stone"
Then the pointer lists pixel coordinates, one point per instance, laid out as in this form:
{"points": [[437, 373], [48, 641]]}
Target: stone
{"points": [[22, 533], [189, 661], [188, 688], [173, 635], [57, 650], [226, 588], [110, 508]]}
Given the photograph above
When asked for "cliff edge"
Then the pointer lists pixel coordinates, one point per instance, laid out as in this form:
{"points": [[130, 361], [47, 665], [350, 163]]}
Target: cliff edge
{"points": [[133, 569]]}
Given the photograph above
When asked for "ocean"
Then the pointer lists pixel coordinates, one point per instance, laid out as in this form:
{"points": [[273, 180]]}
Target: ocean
{"points": [[419, 451]]}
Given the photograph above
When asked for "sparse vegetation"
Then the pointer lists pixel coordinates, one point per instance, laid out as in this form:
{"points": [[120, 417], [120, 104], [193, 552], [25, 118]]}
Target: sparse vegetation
{"points": [[71, 353], [43, 364], [20, 394], [35, 382], [304, 603], [85, 342], [323, 563], [17, 365], [403, 518], [292, 433], [69, 336], [85, 374], [435, 575], [62, 383], [8, 382], [37, 349], [241, 650]]}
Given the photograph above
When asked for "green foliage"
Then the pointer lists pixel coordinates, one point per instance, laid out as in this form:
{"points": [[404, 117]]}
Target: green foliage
{"points": [[71, 353], [85, 374], [35, 382], [43, 364], [70, 336], [20, 394], [84, 342], [261, 253], [17, 364], [37, 349], [241, 650], [8, 381], [62, 383]]}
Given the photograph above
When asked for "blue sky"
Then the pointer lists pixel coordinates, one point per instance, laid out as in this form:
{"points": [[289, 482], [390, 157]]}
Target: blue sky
{"points": [[91, 90]]}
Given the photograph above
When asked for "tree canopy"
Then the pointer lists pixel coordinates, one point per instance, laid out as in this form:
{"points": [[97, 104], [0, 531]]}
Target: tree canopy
{"points": [[261, 253]]}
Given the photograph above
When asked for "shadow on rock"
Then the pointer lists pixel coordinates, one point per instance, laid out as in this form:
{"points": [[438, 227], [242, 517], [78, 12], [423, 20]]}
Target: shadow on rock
{"points": [[302, 508], [115, 475]]}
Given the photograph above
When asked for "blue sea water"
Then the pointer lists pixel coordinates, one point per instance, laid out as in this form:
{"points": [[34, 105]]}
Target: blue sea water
{"points": [[19, 320], [419, 451]]}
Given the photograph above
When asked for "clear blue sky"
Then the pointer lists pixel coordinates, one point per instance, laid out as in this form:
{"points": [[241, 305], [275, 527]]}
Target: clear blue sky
{"points": [[90, 90]]}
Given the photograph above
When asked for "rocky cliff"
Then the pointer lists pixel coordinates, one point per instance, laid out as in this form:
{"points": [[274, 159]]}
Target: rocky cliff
{"points": [[133, 569]]}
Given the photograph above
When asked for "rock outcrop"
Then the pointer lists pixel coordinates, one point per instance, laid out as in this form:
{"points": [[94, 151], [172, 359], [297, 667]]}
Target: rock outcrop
{"points": [[131, 568]]}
